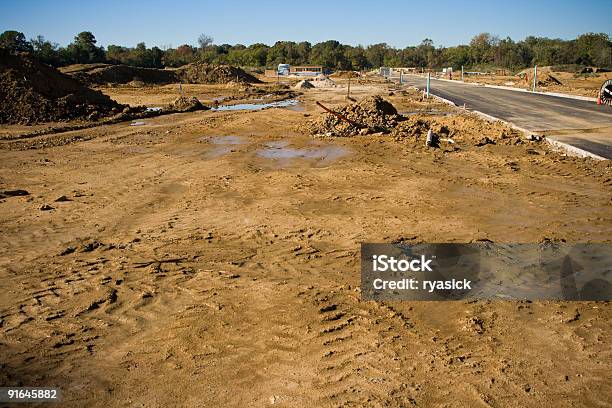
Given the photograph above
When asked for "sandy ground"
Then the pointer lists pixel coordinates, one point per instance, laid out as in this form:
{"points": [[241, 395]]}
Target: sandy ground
{"points": [[196, 263]]}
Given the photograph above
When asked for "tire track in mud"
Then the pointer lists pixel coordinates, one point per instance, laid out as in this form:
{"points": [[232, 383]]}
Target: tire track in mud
{"points": [[359, 345]]}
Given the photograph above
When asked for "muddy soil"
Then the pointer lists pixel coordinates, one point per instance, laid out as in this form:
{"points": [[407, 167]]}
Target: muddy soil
{"points": [[211, 258]]}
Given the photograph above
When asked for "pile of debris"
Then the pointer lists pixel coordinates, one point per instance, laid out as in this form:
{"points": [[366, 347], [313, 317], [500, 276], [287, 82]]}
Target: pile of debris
{"points": [[305, 84], [105, 74], [459, 128], [322, 81], [545, 77], [202, 73], [186, 104], [375, 115], [346, 74], [548, 80], [32, 92], [370, 115]]}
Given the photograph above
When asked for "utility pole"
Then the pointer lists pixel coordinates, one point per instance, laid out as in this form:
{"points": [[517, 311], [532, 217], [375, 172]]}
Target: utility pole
{"points": [[535, 77], [462, 73], [348, 92]]}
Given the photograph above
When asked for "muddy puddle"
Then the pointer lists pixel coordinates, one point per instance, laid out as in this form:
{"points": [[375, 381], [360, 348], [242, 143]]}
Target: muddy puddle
{"points": [[218, 151], [278, 152], [289, 103], [282, 152], [222, 145]]}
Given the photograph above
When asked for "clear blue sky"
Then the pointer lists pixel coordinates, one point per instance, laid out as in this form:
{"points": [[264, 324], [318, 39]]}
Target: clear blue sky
{"points": [[398, 23]]}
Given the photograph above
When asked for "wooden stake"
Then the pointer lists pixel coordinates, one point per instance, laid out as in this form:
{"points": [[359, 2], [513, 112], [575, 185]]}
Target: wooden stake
{"points": [[340, 116]]}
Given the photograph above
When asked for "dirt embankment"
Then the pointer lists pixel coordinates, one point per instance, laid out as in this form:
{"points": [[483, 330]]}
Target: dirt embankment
{"points": [[195, 73], [32, 92], [102, 74], [201, 73]]}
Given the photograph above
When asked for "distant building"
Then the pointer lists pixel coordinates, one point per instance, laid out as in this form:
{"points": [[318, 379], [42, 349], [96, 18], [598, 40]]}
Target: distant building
{"points": [[306, 70], [301, 70]]}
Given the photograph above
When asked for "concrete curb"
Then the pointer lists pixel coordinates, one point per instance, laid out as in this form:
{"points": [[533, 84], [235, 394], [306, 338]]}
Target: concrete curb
{"points": [[573, 149], [510, 88], [528, 133]]}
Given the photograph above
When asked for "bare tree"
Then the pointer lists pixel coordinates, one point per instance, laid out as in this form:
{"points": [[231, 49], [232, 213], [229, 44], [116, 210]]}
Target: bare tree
{"points": [[204, 41]]}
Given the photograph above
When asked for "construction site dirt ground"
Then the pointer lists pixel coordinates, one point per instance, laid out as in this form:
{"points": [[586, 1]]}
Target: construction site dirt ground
{"points": [[212, 259]]}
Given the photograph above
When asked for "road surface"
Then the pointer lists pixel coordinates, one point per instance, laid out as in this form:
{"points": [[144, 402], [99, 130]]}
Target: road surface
{"points": [[582, 124]]}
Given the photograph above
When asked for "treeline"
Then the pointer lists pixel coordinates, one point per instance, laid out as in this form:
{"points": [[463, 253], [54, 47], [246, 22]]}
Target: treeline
{"points": [[484, 51]]}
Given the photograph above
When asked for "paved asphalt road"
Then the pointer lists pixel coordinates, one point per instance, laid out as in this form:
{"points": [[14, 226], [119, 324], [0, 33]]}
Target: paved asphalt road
{"points": [[568, 120]]}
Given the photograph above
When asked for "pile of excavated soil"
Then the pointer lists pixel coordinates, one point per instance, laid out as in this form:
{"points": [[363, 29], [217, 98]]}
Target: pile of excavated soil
{"points": [[374, 114], [201, 73], [346, 74], [186, 104], [323, 81], [462, 129], [32, 92], [305, 84], [371, 114], [548, 80], [100, 74]]}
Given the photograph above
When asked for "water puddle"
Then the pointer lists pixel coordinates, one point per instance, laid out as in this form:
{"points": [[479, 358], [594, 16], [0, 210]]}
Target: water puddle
{"points": [[222, 145], [256, 106], [277, 144], [227, 140], [322, 155], [217, 152]]}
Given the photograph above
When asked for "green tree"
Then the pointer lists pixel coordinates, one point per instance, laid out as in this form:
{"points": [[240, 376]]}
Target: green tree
{"points": [[14, 41], [356, 56], [594, 49], [45, 51], [329, 54], [83, 49], [482, 48]]}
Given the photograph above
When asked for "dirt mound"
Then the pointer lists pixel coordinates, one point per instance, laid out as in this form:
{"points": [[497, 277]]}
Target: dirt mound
{"points": [[460, 128], [374, 114], [323, 81], [32, 92], [305, 84], [548, 80], [201, 73], [346, 74], [102, 74], [70, 69], [371, 114], [186, 104]]}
